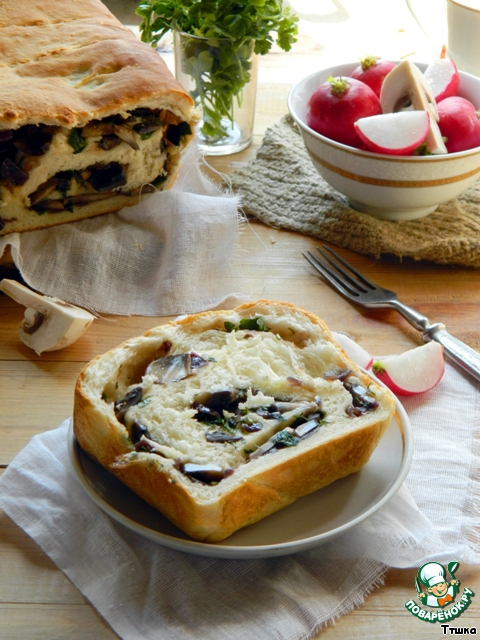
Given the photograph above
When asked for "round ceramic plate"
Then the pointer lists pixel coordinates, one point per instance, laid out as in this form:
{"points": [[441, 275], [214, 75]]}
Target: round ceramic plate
{"points": [[308, 522]]}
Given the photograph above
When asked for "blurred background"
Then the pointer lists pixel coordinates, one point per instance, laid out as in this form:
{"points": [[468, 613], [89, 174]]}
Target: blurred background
{"points": [[331, 32], [349, 29]]}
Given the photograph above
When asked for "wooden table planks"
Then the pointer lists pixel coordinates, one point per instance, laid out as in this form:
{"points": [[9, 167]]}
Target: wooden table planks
{"points": [[37, 601]]}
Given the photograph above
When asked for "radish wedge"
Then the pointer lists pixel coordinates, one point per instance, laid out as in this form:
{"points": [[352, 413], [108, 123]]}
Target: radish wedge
{"points": [[443, 77], [394, 133], [354, 351], [414, 371]]}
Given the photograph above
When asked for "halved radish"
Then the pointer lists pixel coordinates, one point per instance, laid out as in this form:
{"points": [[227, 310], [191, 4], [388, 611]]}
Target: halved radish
{"points": [[394, 133], [414, 371], [443, 77], [354, 351], [405, 85]]}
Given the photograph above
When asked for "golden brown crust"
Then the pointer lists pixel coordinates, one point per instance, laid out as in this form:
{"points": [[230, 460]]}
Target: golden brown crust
{"points": [[60, 67], [258, 490], [64, 65], [257, 497]]}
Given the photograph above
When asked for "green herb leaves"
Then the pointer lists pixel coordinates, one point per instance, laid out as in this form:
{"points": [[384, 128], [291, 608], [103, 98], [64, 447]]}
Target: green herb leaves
{"points": [[77, 141], [247, 324], [218, 56], [237, 20], [285, 439]]}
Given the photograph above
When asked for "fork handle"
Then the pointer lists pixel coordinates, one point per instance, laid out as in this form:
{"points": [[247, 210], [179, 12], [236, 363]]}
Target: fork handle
{"points": [[463, 355]]}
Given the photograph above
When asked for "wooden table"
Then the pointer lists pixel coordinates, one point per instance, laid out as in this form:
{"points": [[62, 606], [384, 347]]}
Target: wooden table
{"points": [[37, 602]]}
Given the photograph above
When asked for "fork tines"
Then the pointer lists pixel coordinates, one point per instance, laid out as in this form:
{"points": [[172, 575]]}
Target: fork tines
{"points": [[341, 274]]}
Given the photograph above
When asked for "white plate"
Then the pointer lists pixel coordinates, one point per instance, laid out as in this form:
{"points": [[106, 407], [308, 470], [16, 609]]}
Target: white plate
{"points": [[308, 522]]}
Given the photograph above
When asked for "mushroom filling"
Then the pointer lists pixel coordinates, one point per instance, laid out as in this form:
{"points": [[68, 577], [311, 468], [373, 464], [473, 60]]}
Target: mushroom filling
{"points": [[362, 398], [21, 150], [248, 422]]}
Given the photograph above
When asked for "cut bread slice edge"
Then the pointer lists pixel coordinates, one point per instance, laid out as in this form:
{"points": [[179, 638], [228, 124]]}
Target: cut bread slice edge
{"points": [[256, 487]]}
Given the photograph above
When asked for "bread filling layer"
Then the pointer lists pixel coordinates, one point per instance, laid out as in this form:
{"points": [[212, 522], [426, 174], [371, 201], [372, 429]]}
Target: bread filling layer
{"points": [[234, 397], [52, 169]]}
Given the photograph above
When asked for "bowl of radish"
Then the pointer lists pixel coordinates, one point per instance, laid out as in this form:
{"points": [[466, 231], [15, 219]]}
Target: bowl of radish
{"points": [[398, 145]]}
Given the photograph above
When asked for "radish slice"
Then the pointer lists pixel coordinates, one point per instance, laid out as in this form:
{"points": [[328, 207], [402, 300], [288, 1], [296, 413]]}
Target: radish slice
{"points": [[354, 351], [443, 77], [394, 133], [414, 371]]}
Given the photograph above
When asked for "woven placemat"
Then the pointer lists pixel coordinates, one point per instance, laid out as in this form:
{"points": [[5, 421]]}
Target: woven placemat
{"points": [[282, 188]]}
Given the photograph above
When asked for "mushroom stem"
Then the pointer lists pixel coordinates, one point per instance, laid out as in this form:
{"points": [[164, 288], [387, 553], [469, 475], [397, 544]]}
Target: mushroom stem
{"points": [[49, 324]]}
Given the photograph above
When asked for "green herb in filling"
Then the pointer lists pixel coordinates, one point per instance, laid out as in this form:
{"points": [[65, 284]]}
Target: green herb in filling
{"points": [[285, 439], [247, 324], [77, 141]]}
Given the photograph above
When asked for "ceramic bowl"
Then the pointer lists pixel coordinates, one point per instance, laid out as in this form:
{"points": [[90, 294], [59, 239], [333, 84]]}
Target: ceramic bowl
{"points": [[387, 187]]}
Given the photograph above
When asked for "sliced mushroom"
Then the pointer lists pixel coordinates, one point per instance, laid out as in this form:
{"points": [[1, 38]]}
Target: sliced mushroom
{"points": [[49, 323], [307, 428], [127, 135], [105, 177], [132, 398], [11, 172], [109, 142], [360, 396], [86, 198], [205, 473], [434, 139], [175, 367], [98, 128], [52, 206], [44, 190], [406, 84], [222, 437], [262, 450], [138, 431]]}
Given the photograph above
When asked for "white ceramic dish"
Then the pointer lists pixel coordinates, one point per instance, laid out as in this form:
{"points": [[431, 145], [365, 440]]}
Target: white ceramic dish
{"points": [[308, 522], [387, 187]]}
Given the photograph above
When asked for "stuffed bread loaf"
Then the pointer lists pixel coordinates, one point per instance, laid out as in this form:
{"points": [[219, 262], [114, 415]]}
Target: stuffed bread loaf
{"points": [[221, 418], [90, 117]]}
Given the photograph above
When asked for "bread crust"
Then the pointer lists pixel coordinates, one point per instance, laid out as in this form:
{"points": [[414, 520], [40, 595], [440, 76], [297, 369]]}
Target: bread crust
{"points": [[61, 67], [254, 490], [66, 64]]}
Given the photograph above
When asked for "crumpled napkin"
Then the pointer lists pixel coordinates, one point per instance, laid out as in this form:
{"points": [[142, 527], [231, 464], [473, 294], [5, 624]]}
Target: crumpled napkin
{"points": [[144, 590], [172, 253]]}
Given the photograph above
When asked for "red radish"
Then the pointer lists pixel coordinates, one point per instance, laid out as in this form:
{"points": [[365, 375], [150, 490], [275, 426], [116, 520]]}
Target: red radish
{"points": [[354, 351], [406, 84], [397, 134], [337, 104], [443, 77], [414, 371], [459, 124], [372, 70]]}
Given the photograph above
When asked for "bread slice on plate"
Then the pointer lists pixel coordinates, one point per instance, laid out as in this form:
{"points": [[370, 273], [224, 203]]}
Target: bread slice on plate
{"points": [[90, 117], [221, 418]]}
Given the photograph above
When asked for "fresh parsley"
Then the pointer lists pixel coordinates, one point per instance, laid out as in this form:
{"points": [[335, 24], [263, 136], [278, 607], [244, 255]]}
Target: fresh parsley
{"points": [[220, 65]]}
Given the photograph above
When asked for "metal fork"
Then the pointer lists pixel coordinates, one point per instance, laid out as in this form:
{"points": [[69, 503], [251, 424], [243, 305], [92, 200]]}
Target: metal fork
{"points": [[354, 286]]}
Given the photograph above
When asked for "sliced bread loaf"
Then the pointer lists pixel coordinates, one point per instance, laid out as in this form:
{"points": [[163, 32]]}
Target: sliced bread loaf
{"points": [[221, 418]]}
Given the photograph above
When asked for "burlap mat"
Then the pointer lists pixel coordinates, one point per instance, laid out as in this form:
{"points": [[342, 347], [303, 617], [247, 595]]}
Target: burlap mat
{"points": [[282, 188]]}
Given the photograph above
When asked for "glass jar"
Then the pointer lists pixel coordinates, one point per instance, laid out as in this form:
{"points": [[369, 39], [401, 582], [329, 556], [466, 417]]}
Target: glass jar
{"points": [[222, 79]]}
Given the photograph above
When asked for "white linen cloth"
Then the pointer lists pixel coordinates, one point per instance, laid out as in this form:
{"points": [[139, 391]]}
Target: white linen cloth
{"points": [[173, 253], [146, 591]]}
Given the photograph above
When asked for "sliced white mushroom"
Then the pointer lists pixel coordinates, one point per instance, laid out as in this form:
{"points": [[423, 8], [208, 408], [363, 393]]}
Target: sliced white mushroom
{"points": [[434, 139], [49, 324], [405, 85], [127, 135]]}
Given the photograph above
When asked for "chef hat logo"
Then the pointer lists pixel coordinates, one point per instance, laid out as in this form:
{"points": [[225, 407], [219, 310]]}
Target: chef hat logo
{"points": [[431, 574]]}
